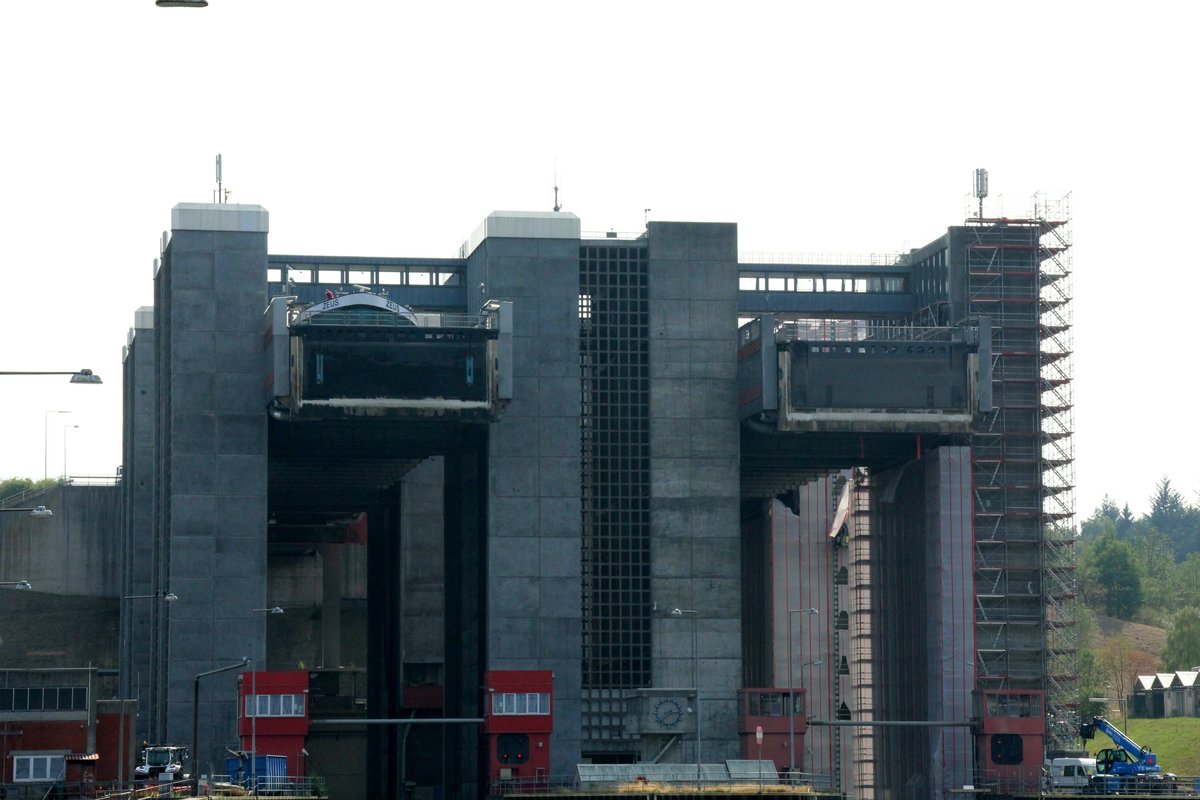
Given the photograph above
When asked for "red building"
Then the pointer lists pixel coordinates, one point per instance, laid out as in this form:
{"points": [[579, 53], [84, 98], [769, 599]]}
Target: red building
{"points": [[273, 715], [766, 710], [1012, 745], [52, 728], [518, 720]]}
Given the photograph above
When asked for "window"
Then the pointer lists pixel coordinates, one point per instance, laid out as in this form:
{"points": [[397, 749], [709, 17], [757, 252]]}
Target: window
{"points": [[512, 748], [38, 698], [38, 768], [275, 705], [1007, 748], [508, 703]]}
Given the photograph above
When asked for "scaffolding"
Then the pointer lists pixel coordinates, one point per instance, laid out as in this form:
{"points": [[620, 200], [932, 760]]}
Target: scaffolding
{"points": [[1018, 276], [1058, 474], [856, 577]]}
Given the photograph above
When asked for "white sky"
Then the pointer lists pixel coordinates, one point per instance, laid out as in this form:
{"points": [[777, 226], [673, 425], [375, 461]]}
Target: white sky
{"points": [[392, 129]]}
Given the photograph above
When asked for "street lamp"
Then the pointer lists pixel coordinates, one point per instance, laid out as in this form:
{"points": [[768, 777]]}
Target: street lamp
{"points": [[23, 585], [82, 376], [679, 612], [65, 429], [790, 682], [165, 596], [196, 717], [254, 694], [36, 511], [46, 442]]}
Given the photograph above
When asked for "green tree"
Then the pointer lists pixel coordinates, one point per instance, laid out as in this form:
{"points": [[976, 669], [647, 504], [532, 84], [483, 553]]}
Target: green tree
{"points": [[1156, 563], [1183, 641], [1098, 523], [1187, 582], [11, 486], [1093, 682], [1175, 519], [1114, 575]]}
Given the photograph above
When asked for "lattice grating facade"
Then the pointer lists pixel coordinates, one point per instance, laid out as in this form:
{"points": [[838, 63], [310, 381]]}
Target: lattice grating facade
{"points": [[615, 491]]}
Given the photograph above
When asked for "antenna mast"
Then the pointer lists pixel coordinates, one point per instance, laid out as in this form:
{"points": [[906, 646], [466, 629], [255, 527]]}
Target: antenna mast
{"points": [[981, 188], [557, 205], [222, 193]]}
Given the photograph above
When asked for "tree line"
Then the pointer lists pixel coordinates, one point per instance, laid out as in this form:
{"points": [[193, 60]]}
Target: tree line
{"points": [[1139, 569]]}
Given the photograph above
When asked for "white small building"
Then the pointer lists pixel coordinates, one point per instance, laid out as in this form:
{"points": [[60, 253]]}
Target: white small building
{"points": [[1166, 694]]}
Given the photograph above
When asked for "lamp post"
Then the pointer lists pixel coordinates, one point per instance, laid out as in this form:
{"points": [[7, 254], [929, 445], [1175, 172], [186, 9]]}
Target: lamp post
{"points": [[790, 683], [196, 716], [20, 585], [679, 612], [46, 442], [65, 429], [82, 376], [166, 597], [254, 694], [35, 511]]}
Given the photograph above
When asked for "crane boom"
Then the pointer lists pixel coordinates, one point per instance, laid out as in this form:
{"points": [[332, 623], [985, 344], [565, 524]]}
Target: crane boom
{"points": [[1130, 759]]}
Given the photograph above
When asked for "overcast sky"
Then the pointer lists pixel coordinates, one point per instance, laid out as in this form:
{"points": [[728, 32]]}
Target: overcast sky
{"points": [[392, 129]]}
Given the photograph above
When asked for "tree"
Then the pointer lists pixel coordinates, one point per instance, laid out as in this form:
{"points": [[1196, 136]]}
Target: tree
{"points": [[11, 486], [1097, 525], [1122, 665], [1183, 641], [1187, 582], [1172, 516], [1112, 574], [1156, 562], [1092, 683]]}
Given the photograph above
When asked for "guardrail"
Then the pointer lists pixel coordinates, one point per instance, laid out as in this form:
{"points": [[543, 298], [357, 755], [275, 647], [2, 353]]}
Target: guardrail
{"points": [[806, 783], [865, 334], [278, 785]]}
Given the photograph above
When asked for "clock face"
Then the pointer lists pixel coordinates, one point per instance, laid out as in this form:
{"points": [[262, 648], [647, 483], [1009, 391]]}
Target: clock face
{"points": [[668, 712]]}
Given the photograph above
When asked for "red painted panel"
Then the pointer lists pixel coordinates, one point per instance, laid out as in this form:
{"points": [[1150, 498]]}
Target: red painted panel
{"points": [[518, 744]]}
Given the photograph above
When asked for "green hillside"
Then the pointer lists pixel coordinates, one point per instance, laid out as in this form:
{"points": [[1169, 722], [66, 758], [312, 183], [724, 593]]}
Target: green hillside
{"points": [[1176, 741]]}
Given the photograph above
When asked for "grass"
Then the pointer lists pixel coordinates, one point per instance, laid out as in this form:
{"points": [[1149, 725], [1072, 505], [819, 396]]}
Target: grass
{"points": [[1176, 741]]}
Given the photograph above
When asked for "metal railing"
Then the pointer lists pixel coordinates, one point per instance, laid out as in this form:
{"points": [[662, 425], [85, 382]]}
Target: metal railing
{"points": [[859, 333], [827, 259], [783, 783], [282, 785]]}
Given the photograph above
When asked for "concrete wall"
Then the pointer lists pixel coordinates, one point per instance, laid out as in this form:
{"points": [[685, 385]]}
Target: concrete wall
{"points": [[694, 459], [533, 570], [213, 471], [75, 552], [137, 493]]}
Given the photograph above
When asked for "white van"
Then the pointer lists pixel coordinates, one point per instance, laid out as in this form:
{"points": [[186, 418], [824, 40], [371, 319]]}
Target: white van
{"points": [[1070, 774]]}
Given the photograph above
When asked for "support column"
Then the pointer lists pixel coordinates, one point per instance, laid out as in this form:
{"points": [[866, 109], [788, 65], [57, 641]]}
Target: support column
{"points": [[466, 568], [331, 605], [210, 461], [385, 667]]}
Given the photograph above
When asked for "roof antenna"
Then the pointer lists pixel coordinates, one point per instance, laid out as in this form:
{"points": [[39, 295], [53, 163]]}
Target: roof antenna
{"points": [[981, 188], [557, 205], [222, 195]]}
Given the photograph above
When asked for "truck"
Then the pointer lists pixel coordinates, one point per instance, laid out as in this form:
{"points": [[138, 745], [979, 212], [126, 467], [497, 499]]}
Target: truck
{"points": [[160, 759], [1070, 773], [1126, 767]]}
